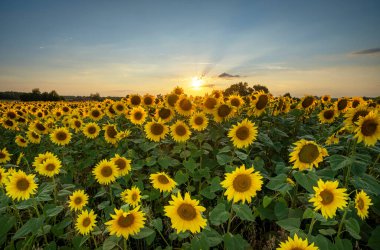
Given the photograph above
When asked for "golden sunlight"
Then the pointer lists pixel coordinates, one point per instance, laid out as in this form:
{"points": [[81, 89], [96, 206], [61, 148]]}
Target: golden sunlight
{"points": [[196, 83]]}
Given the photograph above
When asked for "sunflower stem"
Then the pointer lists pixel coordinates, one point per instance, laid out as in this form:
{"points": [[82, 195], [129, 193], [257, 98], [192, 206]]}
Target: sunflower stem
{"points": [[313, 220], [55, 190], [124, 244], [39, 215], [230, 219], [110, 192], [163, 238], [17, 212], [353, 152], [341, 224], [93, 238]]}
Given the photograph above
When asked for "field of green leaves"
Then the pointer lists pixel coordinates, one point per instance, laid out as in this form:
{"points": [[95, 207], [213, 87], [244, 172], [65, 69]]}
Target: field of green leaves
{"points": [[176, 171]]}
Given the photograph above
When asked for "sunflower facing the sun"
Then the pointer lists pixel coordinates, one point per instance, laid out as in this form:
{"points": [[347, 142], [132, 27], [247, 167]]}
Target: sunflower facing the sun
{"points": [[368, 129], [180, 131], [362, 203], [126, 223], [199, 121], [162, 182], [242, 184], [243, 134], [156, 130], [5, 156], [328, 198], [296, 244], [61, 136], [105, 172], [20, 185], [78, 200], [185, 214], [307, 154], [131, 196], [85, 222]]}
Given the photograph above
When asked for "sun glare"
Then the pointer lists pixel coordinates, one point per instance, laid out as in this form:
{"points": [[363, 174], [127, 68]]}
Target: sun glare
{"points": [[196, 83]]}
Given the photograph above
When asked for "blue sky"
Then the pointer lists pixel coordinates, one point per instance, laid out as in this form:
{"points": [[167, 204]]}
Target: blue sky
{"points": [[121, 47]]}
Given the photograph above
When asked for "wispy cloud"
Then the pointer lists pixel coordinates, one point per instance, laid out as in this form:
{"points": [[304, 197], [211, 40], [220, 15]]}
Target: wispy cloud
{"points": [[367, 51], [228, 76]]}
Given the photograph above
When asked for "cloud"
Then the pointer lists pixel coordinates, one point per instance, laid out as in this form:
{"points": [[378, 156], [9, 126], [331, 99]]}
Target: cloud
{"points": [[367, 51], [228, 76]]}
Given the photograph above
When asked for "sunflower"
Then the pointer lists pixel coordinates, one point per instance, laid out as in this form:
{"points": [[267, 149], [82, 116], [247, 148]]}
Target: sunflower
{"points": [[105, 172], [180, 131], [43, 157], [20, 185], [260, 103], [368, 129], [296, 244], [156, 130], [342, 104], [131, 196], [60, 136], [327, 115], [78, 200], [86, 222], [5, 156], [119, 107], [352, 116], [111, 113], [148, 100], [178, 90], [328, 198], [223, 112], [243, 134], [199, 121], [307, 102], [333, 139], [123, 164], [110, 133], [185, 214], [242, 184], [76, 124], [209, 104], [357, 101], [164, 113], [325, 99], [134, 100], [137, 115], [171, 100], [39, 127], [307, 154], [362, 203], [21, 141], [49, 167], [184, 106], [33, 137], [126, 223], [162, 182], [3, 176], [96, 114], [236, 101], [91, 130]]}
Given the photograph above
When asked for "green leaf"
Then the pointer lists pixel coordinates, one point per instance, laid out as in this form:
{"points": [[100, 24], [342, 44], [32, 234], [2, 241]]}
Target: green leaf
{"points": [[339, 161], [7, 222], [190, 165], [223, 159], [111, 242], [307, 181], [157, 224], [235, 242], [279, 183], [54, 211], [200, 243], [343, 244], [308, 214], [266, 201], [243, 211], [242, 156], [213, 237], [31, 226], [144, 232], [353, 228], [290, 224], [225, 149], [219, 215], [374, 240], [328, 231], [181, 177], [281, 210]]}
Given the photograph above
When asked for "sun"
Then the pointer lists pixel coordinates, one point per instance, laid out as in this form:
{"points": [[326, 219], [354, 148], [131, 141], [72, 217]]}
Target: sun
{"points": [[196, 83]]}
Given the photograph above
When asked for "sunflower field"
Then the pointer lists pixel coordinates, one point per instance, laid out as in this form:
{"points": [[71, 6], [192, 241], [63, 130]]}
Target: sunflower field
{"points": [[184, 172]]}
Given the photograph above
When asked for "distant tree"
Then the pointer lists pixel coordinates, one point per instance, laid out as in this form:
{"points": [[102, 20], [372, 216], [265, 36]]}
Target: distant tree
{"points": [[95, 97], [259, 87], [36, 95], [240, 88], [287, 94]]}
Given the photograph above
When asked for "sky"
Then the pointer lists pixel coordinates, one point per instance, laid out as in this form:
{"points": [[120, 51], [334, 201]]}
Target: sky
{"points": [[117, 48]]}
